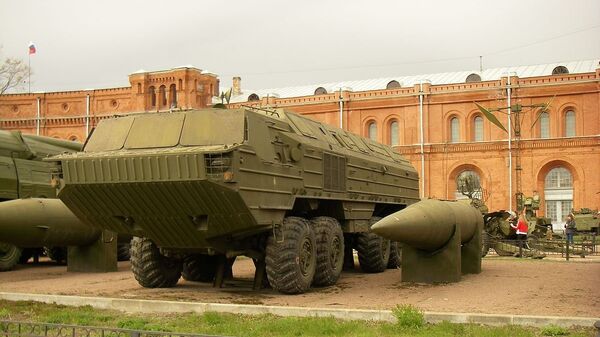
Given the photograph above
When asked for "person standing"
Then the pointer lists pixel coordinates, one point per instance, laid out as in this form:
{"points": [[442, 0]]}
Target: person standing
{"points": [[519, 224], [570, 228]]}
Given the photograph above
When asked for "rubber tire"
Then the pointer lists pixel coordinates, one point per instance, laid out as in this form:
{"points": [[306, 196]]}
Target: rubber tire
{"points": [[328, 234], [283, 259], [373, 251], [10, 257], [152, 269], [200, 267], [57, 254], [395, 260], [123, 251]]}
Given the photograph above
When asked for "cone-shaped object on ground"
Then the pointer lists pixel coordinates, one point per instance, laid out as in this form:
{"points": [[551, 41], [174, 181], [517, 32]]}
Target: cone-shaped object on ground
{"points": [[429, 224]]}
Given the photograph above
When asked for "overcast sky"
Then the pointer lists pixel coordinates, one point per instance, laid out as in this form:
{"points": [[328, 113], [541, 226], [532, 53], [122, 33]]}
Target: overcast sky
{"points": [[94, 44]]}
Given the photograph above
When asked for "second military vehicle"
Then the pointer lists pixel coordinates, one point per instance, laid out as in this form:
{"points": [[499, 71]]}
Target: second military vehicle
{"points": [[23, 174], [202, 186], [24, 228]]}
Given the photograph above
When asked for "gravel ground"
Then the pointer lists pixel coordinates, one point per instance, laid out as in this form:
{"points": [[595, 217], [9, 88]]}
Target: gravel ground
{"points": [[505, 286]]}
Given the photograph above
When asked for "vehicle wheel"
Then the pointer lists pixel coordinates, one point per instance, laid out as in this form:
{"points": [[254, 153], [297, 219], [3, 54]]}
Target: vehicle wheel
{"points": [[395, 255], [330, 250], [56, 254], [200, 267], [373, 251], [152, 269], [123, 251], [291, 257], [9, 256]]}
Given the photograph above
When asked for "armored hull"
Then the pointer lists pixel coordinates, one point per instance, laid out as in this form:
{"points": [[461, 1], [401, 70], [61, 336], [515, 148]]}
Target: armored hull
{"points": [[224, 181]]}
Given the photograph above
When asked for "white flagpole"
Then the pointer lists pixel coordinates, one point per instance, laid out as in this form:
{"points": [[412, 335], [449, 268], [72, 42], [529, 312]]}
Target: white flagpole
{"points": [[29, 72]]}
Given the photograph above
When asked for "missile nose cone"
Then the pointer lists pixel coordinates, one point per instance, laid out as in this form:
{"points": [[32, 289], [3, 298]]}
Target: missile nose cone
{"points": [[388, 226]]}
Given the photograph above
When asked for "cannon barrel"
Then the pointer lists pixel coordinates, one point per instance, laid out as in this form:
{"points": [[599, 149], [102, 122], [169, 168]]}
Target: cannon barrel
{"points": [[43, 222], [429, 224]]}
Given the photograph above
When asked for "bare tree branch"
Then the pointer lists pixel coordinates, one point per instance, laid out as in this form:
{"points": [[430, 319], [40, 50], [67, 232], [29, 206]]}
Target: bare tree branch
{"points": [[13, 73]]}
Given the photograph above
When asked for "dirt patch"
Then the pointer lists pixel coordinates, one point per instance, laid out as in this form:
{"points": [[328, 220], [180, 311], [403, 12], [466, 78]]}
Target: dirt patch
{"points": [[506, 286]]}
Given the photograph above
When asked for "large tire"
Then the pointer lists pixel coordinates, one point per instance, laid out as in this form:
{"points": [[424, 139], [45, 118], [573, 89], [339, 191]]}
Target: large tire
{"points": [[57, 254], [291, 257], [373, 251], [9, 256], [395, 255], [152, 269], [123, 251], [200, 267], [330, 250]]}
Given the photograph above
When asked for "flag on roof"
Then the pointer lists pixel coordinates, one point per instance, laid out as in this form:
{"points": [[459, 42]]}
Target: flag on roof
{"points": [[31, 48]]}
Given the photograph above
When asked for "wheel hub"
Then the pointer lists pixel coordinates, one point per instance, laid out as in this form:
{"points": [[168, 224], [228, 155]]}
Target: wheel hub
{"points": [[305, 256]]}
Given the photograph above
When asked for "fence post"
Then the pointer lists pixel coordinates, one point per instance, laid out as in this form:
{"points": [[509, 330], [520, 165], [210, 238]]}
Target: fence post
{"points": [[567, 245]]}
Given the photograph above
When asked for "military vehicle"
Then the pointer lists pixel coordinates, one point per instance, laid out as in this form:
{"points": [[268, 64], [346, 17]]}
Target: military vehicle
{"points": [[500, 236], [441, 239], [200, 187], [24, 175], [587, 220]]}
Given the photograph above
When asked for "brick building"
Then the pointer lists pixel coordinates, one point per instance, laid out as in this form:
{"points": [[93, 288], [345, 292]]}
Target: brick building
{"points": [[431, 119]]}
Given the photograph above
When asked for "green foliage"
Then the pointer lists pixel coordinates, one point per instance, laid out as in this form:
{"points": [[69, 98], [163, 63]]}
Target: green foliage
{"points": [[411, 323], [554, 330], [408, 316], [132, 323]]}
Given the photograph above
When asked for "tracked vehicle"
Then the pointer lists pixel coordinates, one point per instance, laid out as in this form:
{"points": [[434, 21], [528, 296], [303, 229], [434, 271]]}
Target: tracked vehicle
{"points": [[200, 187]]}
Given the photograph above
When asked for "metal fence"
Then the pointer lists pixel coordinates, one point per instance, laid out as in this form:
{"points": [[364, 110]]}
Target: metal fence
{"points": [[32, 329]]}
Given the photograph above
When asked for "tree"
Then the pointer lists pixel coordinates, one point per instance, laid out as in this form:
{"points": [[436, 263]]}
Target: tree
{"points": [[13, 73]]}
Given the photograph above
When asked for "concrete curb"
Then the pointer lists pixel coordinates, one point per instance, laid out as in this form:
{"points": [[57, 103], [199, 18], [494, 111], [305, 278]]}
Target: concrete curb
{"points": [[155, 306]]}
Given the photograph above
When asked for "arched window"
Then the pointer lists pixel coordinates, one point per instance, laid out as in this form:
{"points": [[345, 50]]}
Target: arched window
{"points": [[152, 93], [162, 95], [139, 88], [394, 133], [560, 70], [468, 183], [372, 131], [173, 96], [454, 130], [478, 129], [180, 84], [558, 194], [544, 125], [253, 97], [320, 91], [393, 85], [473, 78], [570, 123]]}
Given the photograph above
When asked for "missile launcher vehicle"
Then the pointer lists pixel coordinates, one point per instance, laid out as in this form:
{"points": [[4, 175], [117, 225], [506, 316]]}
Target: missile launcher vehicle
{"points": [[198, 188], [23, 174], [31, 221]]}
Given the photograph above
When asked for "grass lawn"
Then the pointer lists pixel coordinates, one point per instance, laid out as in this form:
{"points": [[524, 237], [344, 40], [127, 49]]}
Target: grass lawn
{"points": [[410, 323]]}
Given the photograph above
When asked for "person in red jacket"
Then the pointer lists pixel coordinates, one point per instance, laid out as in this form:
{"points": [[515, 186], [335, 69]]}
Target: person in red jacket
{"points": [[520, 225]]}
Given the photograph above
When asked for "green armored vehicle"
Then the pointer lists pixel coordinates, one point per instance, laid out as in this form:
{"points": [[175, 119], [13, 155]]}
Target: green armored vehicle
{"points": [[199, 188], [588, 221], [23, 174]]}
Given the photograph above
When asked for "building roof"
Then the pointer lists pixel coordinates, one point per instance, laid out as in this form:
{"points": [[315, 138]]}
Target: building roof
{"points": [[584, 66]]}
